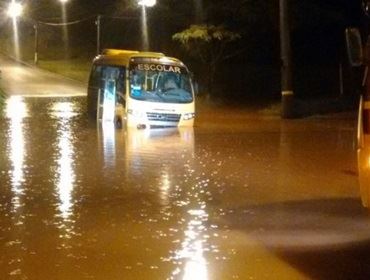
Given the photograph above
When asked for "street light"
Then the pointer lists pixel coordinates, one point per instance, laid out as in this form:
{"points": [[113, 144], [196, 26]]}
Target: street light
{"points": [[65, 28], [147, 3], [145, 37], [15, 9]]}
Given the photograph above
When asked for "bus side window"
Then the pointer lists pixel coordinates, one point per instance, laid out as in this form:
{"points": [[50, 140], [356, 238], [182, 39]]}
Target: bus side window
{"points": [[121, 88], [95, 77]]}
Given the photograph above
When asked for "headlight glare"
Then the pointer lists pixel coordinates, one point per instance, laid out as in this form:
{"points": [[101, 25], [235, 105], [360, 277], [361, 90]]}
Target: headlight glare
{"points": [[188, 116]]}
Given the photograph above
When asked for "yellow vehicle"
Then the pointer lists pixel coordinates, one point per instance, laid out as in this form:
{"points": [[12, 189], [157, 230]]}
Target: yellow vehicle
{"points": [[359, 56], [141, 89]]}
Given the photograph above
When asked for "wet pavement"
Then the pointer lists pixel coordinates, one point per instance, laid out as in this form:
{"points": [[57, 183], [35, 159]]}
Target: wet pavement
{"points": [[239, 196]]}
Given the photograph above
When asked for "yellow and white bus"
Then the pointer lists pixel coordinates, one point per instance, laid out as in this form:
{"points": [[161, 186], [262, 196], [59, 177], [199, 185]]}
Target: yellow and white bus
{"points": [[141, 89]]}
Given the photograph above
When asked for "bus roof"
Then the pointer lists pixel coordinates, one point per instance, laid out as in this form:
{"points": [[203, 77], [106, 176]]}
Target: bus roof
{"points": [[123, 57]]}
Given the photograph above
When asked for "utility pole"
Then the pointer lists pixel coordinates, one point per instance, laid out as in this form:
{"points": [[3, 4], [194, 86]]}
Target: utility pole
{"points": [[36, 27], [287, 93], [199, 16], [98, 34]]}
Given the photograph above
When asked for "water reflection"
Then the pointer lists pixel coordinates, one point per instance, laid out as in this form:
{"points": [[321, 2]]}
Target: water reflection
{"points": [[16, 111], [107, 132], [64, 111], [158, 147], [161, 148], [192, 251], [165, 187]]}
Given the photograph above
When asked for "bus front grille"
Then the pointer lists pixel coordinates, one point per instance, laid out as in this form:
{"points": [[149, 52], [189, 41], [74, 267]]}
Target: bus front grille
{"points": [[163, 117]]}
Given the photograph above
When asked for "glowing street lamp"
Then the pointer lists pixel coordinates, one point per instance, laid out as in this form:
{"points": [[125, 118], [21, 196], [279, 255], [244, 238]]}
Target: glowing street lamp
{"points": [[65, 27], [147, 3], [144, 4], [15, 9]]}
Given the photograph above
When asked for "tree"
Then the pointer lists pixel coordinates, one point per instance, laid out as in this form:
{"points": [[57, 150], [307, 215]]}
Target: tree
{"points": [[207, 43]]}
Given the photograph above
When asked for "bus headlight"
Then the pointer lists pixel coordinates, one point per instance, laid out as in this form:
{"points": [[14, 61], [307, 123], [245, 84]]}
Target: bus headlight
{"points": [[135, 113], [188, 116]]}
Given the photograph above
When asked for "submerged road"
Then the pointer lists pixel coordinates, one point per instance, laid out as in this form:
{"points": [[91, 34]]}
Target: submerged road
{"points": [[17, 79], [240, 196]]}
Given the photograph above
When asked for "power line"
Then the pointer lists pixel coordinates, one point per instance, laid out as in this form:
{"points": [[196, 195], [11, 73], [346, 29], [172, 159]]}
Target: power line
{"points": [[83, 20], [66, 23]]}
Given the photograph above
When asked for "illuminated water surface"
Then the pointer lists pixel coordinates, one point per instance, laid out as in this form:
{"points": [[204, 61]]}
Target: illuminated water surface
{"points": [[223, 200]]}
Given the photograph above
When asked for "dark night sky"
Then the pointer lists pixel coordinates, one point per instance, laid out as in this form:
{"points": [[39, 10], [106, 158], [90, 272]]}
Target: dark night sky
{"points": [[315, 24], [317, 29]]}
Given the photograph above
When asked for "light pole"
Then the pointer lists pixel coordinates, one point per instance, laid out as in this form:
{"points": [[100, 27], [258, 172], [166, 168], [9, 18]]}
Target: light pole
{"points": [[144, 4], [98, 34], [14, 11], [199, 16], [36, 27], [65, 28], [287, 93]]}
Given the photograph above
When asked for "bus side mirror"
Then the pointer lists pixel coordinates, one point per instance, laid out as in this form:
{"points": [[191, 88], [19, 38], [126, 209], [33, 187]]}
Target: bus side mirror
{"points": [[354, 47]]}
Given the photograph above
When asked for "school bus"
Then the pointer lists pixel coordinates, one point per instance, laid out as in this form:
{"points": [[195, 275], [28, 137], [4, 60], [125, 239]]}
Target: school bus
{"points": [[140, 89]]}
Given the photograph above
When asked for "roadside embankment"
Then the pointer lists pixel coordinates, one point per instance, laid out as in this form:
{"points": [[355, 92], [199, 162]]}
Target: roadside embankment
{"points": [[2, 98], [76, 69]]}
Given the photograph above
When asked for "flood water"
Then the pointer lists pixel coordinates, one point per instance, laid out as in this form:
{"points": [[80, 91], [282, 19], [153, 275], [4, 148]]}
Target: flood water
{"points": [[235, 197]]}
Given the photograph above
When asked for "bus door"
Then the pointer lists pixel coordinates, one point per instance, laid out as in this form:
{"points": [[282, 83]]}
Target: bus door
{"points": [[107, 91]]}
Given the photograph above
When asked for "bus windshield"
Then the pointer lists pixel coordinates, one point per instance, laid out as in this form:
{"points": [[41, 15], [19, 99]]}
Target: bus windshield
{"points": [[160, 83]]}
